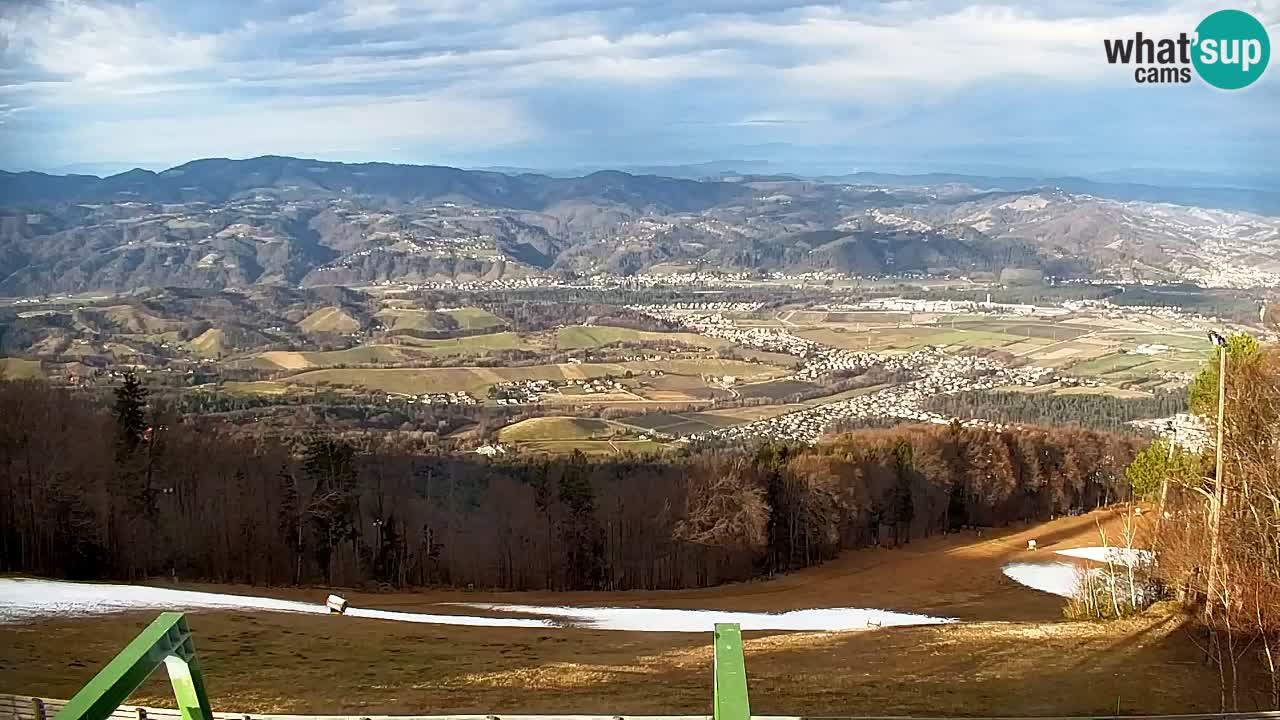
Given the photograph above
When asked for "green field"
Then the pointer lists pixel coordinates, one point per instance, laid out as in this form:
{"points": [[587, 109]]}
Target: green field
{"points": [[469, 318], [472, 344], [1107, 364], [407, 351], [476, 380], [683, 423], [776, 389], [593, 447], [562, 428], [577, 337], [329, 320], [19, 369], [1056, 332], [257, 387]]}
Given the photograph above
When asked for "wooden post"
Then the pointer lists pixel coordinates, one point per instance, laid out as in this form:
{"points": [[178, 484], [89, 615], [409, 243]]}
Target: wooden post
{"points": [[142, 713], [37, 707]]}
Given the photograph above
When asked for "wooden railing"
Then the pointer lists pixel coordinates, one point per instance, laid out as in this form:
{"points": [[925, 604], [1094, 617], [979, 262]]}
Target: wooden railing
{"points": [[26, 707]]}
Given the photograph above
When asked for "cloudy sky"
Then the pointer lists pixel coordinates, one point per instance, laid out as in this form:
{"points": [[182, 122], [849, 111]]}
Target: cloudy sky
{"points": [[908, 85]]}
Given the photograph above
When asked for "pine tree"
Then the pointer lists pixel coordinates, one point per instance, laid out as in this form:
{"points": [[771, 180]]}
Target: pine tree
{"points": [[130, 413], [330, 466], [902, 504], [581, 532], [289, 522]]}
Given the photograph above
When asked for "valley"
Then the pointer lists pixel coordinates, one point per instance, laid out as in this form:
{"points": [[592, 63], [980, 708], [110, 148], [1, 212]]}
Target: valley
{"points": [[662, 366]]}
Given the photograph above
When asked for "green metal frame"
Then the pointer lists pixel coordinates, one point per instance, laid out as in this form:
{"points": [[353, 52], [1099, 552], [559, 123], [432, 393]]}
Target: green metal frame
{"points": [[730, 674], [166, 641]]}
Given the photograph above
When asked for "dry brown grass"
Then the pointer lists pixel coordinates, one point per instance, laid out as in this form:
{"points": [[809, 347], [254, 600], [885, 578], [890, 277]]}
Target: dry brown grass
{"points": [[1030, 664]]}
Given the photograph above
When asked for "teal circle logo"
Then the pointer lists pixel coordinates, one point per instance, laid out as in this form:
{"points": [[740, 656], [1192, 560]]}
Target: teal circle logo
{"points": [[1232, 49]]}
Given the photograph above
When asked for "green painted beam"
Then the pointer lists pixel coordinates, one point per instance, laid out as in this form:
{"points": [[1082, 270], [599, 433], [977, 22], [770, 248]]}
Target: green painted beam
{"points": [[165, 641], [730, 674]]}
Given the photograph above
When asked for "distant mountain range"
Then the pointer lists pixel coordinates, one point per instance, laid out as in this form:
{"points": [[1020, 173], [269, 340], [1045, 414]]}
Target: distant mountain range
{"points": [[271, 220], [1246, 199], [219, 180]]}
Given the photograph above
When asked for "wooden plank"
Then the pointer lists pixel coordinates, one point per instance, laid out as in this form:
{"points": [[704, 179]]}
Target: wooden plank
{"points": [[20, 707]]}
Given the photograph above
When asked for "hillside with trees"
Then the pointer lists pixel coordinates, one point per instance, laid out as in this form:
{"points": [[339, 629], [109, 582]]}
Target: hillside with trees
{"points": [[96, 493]]}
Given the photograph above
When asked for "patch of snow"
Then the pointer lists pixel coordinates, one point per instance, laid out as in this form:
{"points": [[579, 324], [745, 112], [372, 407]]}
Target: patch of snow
{"points": [[1057, 578], [22, 600], [669, 620], [1062, 578], [1114, 555]]}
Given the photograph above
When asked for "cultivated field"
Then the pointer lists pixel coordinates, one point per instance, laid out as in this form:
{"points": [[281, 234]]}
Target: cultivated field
{"points": [[329, 320], [18, 369], [477, 380], [407, 351], [402, 320], [562, 428], [593, 336]]}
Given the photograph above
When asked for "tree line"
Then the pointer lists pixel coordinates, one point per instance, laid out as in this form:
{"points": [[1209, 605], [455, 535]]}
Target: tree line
{"points": [[1094, 410], [132, 491]]}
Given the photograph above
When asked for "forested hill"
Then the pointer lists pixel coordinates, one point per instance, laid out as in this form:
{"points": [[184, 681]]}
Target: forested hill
{"points": [[217, 180], [93, 493]]}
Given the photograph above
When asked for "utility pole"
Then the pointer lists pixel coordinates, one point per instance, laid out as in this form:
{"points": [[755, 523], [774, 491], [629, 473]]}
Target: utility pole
{"points": [[1219, 488]]}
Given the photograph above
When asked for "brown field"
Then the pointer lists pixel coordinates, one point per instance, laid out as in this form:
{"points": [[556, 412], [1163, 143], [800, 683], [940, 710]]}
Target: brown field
{"points": [[1013, 656]]}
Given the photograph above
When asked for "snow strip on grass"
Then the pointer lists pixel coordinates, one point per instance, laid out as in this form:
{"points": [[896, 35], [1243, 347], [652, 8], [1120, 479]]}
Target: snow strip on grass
{"points": [[1115, 555], [669, 620], [22, 600]]}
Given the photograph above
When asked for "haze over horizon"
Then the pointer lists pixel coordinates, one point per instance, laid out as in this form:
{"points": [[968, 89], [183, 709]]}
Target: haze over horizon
{"points": [[1003, 88]]}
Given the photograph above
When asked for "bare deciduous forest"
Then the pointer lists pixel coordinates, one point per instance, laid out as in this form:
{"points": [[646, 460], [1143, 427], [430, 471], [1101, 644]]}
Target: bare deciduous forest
{"points": [[129, 492]]}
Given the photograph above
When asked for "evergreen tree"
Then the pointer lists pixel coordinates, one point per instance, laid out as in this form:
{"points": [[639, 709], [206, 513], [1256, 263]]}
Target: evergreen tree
{"points": [[330, 466], [289, 522], [581, 532], [902, 503], [130, 413]]}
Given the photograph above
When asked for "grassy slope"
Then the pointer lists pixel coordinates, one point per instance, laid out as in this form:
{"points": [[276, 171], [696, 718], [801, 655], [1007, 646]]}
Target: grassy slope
{"points": [[425, 380], [330, 320], [19, 369], [469, 318], [1026, 662], [577, 337], [210, 343], [407, 351], [560, 428]]}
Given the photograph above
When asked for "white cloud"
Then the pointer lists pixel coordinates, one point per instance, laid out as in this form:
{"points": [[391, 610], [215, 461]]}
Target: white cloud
{"points": [[366, 123], [471, 73], [846, 56], [94, 43]]}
